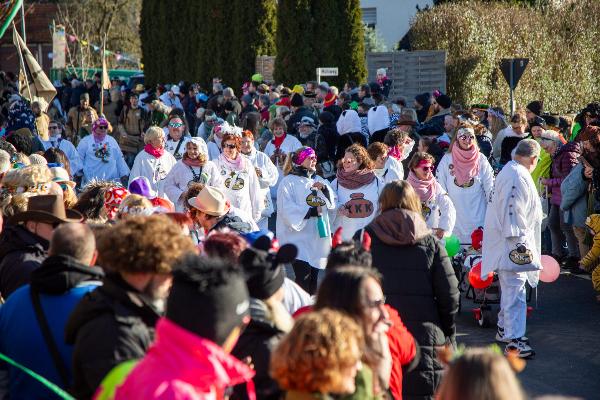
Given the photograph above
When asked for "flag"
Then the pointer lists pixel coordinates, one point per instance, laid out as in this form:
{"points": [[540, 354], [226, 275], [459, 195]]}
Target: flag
{"points": [[7, 14], [35, 83], [105, 78]]}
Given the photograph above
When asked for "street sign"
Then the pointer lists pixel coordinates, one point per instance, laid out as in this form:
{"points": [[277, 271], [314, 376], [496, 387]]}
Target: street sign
{"points": [[512, 69], [327, 71]]}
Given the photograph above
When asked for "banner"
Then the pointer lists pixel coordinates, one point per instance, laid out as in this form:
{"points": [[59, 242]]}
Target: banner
{"points": [[59, 49], [8, 11], [35, 83]]}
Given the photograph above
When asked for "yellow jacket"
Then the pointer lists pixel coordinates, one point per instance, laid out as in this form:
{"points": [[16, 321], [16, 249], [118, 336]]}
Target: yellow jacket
{"points": [[593, 222]]}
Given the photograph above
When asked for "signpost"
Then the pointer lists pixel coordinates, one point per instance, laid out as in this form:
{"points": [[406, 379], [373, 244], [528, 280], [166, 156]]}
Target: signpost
{"points": [[512, 69], [326, 71]]}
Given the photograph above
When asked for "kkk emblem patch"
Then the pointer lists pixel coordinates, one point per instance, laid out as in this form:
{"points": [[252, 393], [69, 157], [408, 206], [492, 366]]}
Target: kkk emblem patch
{"points": [[521, 255], [314, 200], [358, 206]]}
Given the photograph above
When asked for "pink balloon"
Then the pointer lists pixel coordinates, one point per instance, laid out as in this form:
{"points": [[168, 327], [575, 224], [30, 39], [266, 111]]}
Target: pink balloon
{"points": [[551, 269]]}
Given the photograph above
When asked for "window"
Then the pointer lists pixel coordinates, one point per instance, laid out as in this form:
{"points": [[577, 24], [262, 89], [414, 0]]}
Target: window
{"points": [[369, 16]]}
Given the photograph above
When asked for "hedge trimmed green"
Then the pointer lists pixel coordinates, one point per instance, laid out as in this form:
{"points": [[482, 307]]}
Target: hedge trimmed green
{"points": [[561, 44]]}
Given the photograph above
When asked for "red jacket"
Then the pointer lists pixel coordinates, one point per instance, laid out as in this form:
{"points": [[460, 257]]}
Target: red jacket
{"points": [[403, 348]]}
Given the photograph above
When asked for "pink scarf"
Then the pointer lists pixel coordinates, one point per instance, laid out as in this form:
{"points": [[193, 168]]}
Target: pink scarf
{"points": [[191, 163], [466, 163], [153, 151], [235, 165], [396, 153], [425, 189]]}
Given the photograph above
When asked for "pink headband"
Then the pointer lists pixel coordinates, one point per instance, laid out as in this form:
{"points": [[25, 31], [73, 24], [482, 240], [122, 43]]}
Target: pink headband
{"points": [[303, 155], [424, 163]]}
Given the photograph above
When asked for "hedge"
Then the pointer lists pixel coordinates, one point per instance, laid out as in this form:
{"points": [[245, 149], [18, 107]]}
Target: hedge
{"points": [[561, 44]]}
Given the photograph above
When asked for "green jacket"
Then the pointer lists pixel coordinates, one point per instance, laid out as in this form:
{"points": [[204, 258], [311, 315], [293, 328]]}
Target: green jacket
{"points": [[542, 169]]}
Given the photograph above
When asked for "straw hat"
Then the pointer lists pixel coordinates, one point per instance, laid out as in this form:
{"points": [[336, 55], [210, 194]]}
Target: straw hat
{"points": [[211, 201]]}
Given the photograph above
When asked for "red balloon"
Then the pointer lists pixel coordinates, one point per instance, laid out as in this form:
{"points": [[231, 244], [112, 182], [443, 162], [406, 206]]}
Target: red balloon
{"points": [[475, 277]]}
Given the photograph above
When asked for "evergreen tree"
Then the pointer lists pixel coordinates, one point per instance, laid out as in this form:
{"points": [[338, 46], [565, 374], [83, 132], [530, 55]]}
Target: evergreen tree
{"points": [[350, 47], [295, 60], [254, 27]]}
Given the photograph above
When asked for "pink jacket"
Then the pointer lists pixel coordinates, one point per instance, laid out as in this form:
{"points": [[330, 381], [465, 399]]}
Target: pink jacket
{"points": [[183, 366]]}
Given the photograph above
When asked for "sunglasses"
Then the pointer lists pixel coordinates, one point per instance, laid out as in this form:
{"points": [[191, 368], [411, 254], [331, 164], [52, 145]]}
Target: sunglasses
{"points": [[102, 127], [427, 168], [466, 137], [175, 124], [63, 186], [230, 146]]}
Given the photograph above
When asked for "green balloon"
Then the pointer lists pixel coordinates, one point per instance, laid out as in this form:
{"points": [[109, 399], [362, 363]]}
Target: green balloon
{"points": [[452, 245]]}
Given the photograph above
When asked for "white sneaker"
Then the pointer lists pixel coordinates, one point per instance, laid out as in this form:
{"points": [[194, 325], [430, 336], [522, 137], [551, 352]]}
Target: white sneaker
{"points": [[520, 347], [501, 338]]}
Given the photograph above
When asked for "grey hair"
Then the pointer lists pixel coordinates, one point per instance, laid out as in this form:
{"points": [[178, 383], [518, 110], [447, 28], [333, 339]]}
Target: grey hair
{"points": [[228, 92], [4, 161], [527, 148]]}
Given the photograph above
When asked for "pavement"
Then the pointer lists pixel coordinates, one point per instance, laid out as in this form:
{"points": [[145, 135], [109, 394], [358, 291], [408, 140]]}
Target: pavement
{"points": [[564, 331]]}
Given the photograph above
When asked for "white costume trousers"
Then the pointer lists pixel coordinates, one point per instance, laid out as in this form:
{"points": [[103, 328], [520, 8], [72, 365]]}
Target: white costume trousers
{"points": [[513, 303]]}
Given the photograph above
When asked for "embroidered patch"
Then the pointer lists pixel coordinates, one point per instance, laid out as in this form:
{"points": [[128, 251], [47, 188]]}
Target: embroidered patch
{"points": [[314, 200], [466, 184], [521, 255], [238, 183], [358, 206], [425, 210]]}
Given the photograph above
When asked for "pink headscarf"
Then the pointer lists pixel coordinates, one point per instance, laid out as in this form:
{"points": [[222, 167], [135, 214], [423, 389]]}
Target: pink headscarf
{"points": [[466, 162], [99, 136], [303, 155]]}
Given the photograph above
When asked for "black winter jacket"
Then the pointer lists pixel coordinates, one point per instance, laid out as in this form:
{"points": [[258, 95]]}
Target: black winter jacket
{"points": [[110, 325], [259, 339], [21, 252], [419, 282]]}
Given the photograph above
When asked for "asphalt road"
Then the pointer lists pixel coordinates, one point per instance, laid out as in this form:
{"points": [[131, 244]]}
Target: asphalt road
{"points": [[564, 330]]}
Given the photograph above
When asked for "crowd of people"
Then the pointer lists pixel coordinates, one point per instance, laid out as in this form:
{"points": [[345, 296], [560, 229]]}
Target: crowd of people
{"points": [[170, 242]]}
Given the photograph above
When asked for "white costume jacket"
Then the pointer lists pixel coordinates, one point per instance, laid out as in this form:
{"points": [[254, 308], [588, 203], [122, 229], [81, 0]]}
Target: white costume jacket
{"points": [[294, 199], [512, 229], [470, 200], [155, 169], [242, 187], [362, 204], [70, 151], [182, 175], [102, 161], [289, 144], [439, 212], [269, 178]]}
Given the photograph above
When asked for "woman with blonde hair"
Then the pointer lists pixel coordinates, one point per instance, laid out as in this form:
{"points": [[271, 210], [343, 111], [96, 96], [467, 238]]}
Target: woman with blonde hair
{"points": [[436, 206], [134, 205], [320, 356], [356, 190], [303, 201], [422, 287], [153, 161], [193, 167], [480, 374], [467, 176], [18, 185]]}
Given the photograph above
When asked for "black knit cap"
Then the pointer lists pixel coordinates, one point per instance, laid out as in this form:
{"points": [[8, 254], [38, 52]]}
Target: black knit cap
{"points": [[444, 101], [208, 298], [551, 120], [296, 100], [264, 274], [536, 107]]}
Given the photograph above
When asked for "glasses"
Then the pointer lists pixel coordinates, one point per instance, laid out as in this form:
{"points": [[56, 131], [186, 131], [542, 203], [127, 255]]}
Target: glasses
{"points": [[102, 127], [427, 168], [375, 303], [230, 146], [175, 124], [466, 137]]}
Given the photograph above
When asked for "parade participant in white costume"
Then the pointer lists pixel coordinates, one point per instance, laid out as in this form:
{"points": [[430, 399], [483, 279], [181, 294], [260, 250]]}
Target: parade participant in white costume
{"points": [[357, 191], [512, 243], [240, 182], [278, 148], [267, 175], [56, 140], [437, 208], [467, 176], [101, 156], [177, 137], [385, 166], [153, 161], [303, 199], [193, 167], [215, 140]]}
